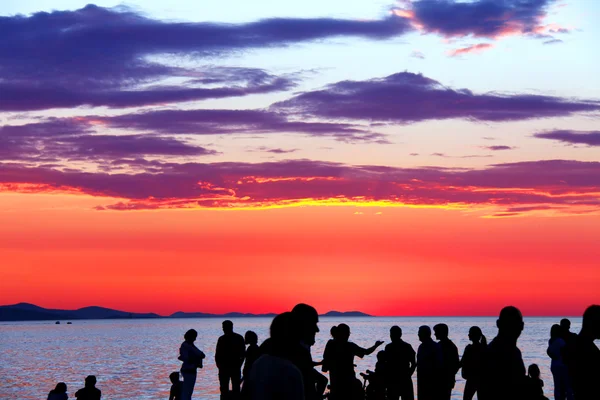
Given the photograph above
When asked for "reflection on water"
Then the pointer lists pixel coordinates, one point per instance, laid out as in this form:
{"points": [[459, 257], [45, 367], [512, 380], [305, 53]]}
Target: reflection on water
{"points": [[132, 359]]}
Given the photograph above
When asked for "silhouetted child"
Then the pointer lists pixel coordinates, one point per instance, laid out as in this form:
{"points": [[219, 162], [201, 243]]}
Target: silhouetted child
{"points": [[59, 392], [376, 388], [89, 391], [175, 393], [535, 385]]}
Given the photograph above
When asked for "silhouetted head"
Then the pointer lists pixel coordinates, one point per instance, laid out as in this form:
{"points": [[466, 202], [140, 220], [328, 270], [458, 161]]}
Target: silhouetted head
{"points": [[308, 319], [174, 377], [342, 332], [190, 336], [591, 321], [284, 334], [333, 331], [424, 333], [565, 324], [534, 371], [61, 387], [227, 326], [395, 333], [441, 331], [251, 337], [510, 323], [476, 336], [381, 356], [90, 381], [555, 332]]}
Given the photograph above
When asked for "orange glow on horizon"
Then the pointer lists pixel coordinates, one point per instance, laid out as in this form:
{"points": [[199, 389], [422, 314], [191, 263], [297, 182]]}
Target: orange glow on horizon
{"points": [[385, 261]]}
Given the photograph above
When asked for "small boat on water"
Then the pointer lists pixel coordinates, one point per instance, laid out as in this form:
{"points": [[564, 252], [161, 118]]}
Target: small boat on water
{"points": [[69, 323], [57, 322]]}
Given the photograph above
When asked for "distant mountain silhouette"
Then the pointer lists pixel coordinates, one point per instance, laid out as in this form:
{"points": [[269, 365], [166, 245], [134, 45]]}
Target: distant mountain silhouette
{"points": [[181, 314], [345, 314], [31, 312]]}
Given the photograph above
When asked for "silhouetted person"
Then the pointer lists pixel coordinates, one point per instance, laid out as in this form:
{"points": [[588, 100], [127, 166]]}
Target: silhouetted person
{"points": [[307, 320], [534, 386], [472, 362], [59, 392], [430, 380], [401, 364], [377, 379], [556, 348], [252, 352], [192, 358], [273, 375], [450, 360], [89, 391], [503, 371], [229, 358], [176, 384], [583, 357], [567, 335], [330, 343], [339, 360]]}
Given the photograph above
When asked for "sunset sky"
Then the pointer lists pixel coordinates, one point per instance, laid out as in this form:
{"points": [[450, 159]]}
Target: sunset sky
{"points": [[424, 157]]}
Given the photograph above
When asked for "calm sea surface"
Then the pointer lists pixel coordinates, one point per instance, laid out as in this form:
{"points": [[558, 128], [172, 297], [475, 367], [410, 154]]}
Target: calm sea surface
{"points": [[132, 359]]}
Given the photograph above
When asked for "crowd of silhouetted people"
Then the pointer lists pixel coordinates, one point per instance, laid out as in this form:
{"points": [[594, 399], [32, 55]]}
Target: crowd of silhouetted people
{"points": [[282, 367]]}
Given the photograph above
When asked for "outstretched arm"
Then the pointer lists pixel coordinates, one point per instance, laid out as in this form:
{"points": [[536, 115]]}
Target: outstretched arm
{"points": [[371, 349]]}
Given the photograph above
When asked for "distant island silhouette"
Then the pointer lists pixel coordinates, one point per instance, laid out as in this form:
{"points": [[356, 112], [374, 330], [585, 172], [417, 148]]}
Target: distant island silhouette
{"points": [[32, 312]]}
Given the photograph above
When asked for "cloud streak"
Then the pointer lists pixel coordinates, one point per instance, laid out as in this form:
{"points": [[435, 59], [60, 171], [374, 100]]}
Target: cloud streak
{"points": [[476, 48], [591, 138], [498, 147], [406, 97], [70, 139], [239, 122], [28, 95], [568, 185]]}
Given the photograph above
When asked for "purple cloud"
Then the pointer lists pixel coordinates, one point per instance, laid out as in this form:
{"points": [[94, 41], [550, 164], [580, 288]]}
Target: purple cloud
{"points": [[224, 122], [101, 146], [444, 155], [98, 56], [479, 18], [498, 148], [29, 95], [407, 97], [591, 138], [553, 41], [276, 150], [72, 139], [568, 185]]}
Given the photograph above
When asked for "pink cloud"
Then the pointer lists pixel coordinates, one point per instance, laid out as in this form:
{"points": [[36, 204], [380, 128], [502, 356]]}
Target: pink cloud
{"points": [[476, 48]]}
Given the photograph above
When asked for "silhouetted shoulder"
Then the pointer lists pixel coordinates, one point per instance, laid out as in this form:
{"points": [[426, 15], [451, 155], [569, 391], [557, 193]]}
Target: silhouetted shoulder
{"points": [[88, 393], [57, 396], [274, 378]]}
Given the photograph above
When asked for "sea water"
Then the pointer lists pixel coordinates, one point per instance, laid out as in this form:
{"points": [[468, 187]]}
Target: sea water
{"points": [[132, 359]]}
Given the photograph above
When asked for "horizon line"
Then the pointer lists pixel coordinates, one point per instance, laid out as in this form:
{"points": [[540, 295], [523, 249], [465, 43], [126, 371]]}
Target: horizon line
{"points": [[275, 313]]}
